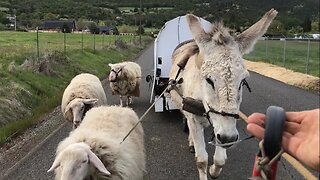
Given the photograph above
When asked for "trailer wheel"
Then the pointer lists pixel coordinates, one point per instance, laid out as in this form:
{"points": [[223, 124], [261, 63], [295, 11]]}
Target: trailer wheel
{"points": [[185, 127]]}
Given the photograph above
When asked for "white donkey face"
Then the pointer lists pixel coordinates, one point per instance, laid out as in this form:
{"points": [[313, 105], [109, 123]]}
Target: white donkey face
{"points": [[223, 70], [222, 73]]}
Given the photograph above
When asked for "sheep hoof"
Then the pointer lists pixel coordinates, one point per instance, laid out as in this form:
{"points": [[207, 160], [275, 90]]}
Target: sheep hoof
{"points": [[191, 149], [214, 171]]}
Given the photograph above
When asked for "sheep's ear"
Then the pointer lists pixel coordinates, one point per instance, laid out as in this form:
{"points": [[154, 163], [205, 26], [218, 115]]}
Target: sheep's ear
{"points": [[90, 101], [110, 65], [68, 107], [55, 164], [97, 163]]}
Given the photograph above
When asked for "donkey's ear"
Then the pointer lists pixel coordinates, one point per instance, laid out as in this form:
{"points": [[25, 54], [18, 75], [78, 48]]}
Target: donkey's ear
{"points": [[249, 37], [198, 33]]}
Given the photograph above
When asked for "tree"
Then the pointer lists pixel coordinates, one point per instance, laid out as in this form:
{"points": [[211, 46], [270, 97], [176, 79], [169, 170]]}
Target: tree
{"points": [[50, 16], [306, 25], [315, 27], [3, 18], [80, 24], [117, 11], [295, 30], [276, 28], [93, 28]]}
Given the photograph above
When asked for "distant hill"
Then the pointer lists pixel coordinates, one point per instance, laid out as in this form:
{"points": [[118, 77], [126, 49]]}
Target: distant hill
{"points": [[235, 13]]}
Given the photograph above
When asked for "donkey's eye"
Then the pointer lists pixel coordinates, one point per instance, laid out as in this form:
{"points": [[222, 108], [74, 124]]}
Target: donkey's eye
{"points": [[210, 82]]}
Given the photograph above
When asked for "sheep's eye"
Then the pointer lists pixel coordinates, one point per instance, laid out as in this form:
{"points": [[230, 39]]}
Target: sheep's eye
{"points": [[85, 161], [210, 82]]}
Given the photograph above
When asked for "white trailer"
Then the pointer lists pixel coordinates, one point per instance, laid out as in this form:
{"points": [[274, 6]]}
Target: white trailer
{"points": [[171, 34]]}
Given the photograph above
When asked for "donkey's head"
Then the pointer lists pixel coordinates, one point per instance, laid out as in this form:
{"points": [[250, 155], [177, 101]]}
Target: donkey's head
{"points": [[223, 71]]}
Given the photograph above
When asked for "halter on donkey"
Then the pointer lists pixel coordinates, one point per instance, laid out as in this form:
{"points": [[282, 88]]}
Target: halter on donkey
{"points": [[213, 75]]}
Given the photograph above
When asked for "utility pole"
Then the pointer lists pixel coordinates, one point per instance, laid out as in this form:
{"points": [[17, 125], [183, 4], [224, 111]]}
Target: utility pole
{"points": [[140, 23]]}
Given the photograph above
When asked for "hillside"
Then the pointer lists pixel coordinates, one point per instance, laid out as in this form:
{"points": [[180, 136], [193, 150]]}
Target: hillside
{"points": [[235, 13], [238, 14]]}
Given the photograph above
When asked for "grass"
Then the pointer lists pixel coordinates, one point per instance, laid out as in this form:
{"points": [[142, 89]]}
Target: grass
{"points": [[26, 96], [296, 55]]}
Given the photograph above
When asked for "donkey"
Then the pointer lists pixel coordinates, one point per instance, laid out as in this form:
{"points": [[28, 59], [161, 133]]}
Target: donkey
{"points": [[213, 73]]}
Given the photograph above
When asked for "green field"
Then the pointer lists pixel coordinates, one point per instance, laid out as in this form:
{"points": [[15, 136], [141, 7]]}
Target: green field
{"points": [[27, 95], [294, 57], [25, 43]]}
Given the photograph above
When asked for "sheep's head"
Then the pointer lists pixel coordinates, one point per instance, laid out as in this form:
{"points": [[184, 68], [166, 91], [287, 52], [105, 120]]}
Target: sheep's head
{"points": [[78, 107], [75, 161], [115, 72]]}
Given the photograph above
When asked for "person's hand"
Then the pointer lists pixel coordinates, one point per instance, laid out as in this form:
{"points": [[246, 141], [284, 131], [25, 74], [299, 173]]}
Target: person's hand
{"points": [[300, 137]]}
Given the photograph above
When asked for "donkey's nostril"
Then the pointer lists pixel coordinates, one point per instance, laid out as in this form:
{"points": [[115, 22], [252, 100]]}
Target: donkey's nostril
{"points": [[227, 139], [219, 137]]}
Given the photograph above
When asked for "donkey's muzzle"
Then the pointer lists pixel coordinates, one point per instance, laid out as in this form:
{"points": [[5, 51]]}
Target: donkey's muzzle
{"points": [[224, 139]]}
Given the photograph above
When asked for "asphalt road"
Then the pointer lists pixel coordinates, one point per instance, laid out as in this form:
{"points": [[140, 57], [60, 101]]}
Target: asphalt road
{"points": [[168, 157]]}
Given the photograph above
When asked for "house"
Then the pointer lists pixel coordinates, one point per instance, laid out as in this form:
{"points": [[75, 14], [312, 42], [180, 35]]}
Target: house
{"points": [[108, 30], [59, 25]]}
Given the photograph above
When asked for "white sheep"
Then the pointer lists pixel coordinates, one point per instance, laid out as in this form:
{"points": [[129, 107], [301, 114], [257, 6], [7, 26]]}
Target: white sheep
{"points": [[84, 92], [93, 150], [125, 80]]}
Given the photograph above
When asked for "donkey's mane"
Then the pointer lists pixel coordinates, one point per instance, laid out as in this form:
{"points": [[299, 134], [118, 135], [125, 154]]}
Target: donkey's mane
{"points": [[183, 43], [220, 34]]}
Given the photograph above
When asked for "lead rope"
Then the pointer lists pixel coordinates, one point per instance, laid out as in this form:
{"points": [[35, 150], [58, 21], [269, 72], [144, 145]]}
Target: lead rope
{"points": [[171, 85], [141, 118], [263, 164]]}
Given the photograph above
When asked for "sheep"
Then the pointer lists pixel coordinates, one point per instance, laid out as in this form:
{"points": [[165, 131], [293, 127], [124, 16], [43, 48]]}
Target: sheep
{"points": [[93, 150], [84, 92], [125, 80]]}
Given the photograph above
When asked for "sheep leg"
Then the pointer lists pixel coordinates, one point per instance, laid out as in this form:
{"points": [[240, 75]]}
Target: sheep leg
{"points": [[220, 157], [197, 133], [121, 103], [129, 102]]}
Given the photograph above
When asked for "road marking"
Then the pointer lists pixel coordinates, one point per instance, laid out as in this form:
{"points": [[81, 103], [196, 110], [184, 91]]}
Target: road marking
{"points": [[22, 160], [294, 163]]}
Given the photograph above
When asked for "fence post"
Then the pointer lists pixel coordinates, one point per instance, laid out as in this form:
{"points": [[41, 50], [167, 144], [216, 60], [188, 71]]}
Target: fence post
{"points": [[82, 41], [308, 52], [267, 49], [103, 40], [64, 41], [284, 52], [94, 42], [38, 53]]}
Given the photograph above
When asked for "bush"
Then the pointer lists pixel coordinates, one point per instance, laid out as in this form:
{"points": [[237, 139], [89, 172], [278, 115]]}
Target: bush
{"points": [[2, 27]]}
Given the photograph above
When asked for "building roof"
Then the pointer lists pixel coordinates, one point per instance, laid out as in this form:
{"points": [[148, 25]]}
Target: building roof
{"points": [[59, 24], [105, 28]]}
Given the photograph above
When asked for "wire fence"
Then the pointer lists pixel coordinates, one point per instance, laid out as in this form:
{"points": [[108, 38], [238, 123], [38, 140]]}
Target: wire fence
{"points": [[19, 45], [300, 55]]}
